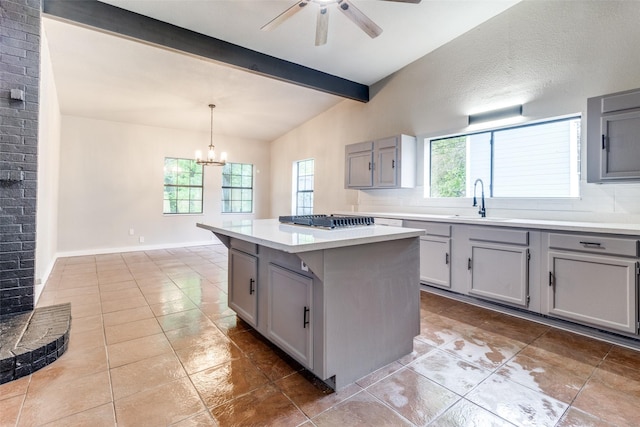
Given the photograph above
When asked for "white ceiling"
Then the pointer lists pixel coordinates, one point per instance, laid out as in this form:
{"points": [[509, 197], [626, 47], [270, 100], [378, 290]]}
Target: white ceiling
{"points": [[103, 76]]}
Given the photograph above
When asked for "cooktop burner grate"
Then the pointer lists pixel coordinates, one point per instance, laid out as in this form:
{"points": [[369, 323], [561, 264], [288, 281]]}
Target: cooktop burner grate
{"points": [[328, 221]]}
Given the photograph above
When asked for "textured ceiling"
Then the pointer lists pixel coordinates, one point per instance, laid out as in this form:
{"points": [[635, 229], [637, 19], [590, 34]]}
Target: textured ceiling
{"points": [[103, 76]]}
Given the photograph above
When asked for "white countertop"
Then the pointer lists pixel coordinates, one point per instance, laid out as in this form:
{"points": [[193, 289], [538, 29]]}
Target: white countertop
{"points": [[589, 227], [298, 238]]}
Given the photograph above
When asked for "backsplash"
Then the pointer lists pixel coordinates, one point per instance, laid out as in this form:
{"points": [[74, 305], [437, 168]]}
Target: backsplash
{"points": [[616, 203]]}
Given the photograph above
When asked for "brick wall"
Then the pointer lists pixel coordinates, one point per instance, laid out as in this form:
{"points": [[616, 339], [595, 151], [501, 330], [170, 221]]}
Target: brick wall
{"points": [[19, 70]]}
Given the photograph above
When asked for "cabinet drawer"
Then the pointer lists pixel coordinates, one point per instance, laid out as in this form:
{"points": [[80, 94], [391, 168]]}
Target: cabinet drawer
{"points": [[498, 235], [432, 228], [387, 221], [594, 244]]}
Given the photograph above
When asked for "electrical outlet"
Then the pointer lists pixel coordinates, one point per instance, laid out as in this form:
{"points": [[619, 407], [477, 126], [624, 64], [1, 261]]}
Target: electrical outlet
{"points": [[304, 266], [131, 232], [141, 239]]}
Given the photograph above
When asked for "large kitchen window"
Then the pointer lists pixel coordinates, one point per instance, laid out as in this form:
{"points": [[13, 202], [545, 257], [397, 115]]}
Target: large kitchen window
{"points": [[303, 174], [237, 188], [182, 186], [534, 160]]}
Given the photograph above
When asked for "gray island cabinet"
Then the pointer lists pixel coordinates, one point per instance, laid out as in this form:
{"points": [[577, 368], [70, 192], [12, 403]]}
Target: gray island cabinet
{"points": [[342, 302]]}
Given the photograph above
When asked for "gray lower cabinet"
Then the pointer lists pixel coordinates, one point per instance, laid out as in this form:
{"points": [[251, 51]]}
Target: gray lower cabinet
{"points": [[289, 324], [435, 252], [498, 265], [341, 312], [435, 261], [243, 285], [593, 280]]}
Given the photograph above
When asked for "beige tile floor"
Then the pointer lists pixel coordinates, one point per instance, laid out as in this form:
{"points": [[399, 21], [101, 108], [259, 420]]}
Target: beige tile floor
{"points": [[153, 343]]}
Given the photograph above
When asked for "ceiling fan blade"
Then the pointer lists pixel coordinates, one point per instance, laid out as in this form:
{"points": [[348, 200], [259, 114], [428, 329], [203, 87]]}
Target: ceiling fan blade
{"points": [[285, 15], [360, 19], [405, 1], [322, 26]]}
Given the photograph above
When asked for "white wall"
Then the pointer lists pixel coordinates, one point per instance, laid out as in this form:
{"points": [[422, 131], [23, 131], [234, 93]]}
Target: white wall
{"points": [[48, 168], [111, 181], [549, 55]]}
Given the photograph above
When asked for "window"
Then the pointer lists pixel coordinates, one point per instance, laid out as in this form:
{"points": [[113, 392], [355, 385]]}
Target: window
{"points": [[182, 186], [534, 160], [237, 188], [304, 187]]}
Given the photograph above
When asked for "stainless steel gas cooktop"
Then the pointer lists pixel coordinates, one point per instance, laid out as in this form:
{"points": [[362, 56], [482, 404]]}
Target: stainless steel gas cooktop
{"points": [[327, 221]]}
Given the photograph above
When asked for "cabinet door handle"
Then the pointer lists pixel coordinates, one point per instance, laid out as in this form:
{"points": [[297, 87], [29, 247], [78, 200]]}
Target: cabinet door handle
{"points": [[369, 165], [446, 258], [604, 142], [591, 244], [550, 278], [469, 264], [251, 289], [305, 317], [393, 164]]}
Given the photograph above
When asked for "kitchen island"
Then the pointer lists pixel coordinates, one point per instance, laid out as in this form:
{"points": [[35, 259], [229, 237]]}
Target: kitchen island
{"points": [[342, 302]]}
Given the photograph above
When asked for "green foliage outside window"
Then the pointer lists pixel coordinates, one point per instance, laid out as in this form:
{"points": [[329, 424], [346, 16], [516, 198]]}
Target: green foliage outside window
{"points": [[448, 167], [237, 188], [183, 186]]}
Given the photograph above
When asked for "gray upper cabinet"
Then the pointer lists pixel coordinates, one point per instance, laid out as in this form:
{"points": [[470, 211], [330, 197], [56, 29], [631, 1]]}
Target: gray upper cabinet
{"points": [[383, 163], [613, 137], [359, 165]]}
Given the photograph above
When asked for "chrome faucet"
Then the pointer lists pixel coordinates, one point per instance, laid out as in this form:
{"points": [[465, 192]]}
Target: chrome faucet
{"points": [[482, 211]]}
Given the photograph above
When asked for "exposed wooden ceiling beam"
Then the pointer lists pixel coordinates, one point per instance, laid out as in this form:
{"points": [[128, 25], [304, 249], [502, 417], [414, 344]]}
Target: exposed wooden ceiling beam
{"points": [[105, 17]]}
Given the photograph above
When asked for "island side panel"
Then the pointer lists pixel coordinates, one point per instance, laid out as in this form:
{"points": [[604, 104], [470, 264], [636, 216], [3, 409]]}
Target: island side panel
{"points": [[372, 306]]}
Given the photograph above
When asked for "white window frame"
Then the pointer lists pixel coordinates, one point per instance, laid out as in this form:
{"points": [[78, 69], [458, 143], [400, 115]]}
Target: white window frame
{"points": [[574, 161]]}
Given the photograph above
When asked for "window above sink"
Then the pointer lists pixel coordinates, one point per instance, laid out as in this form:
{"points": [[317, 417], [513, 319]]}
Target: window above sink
{"points": [[533, 160]]}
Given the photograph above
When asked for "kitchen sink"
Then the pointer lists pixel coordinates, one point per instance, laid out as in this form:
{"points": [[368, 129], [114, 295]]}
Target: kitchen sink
{"points": [[478, 218]]}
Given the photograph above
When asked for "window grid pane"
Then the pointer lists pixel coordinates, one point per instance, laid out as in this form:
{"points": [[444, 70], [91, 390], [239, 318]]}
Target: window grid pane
{"points": [[237, 188], [304, 187], [183, 186], [533, 160]]}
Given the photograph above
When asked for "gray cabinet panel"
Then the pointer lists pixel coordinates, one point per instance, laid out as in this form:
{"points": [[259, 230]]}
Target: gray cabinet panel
{"points": [[386, 162], [290, 323], [435, 261], [359, 165], [500, 273], [621, 146], [613, 137], [599, 291], [243, 285]]}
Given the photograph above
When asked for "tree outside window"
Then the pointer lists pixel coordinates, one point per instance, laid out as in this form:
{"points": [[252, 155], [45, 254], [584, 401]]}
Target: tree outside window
{"points": [[183, 186], [237, 188]]}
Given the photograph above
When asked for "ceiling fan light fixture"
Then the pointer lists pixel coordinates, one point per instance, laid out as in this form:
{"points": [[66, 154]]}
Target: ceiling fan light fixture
{"points": [[322, 25]]}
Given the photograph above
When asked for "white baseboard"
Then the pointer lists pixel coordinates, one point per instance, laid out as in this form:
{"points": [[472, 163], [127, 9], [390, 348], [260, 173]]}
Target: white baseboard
{"points": [[103, 251]]}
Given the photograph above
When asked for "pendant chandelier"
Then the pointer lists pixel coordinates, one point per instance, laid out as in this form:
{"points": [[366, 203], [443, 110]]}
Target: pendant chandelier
{"points": [[211, 155]]}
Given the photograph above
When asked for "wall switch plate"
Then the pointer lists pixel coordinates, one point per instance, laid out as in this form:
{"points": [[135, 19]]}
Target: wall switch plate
{"points": [[141, 239], [131, 232], [303, 266]]}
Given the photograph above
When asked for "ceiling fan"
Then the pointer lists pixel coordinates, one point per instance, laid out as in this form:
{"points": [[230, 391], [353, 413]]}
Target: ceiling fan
{"points": [[322, 23]]}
